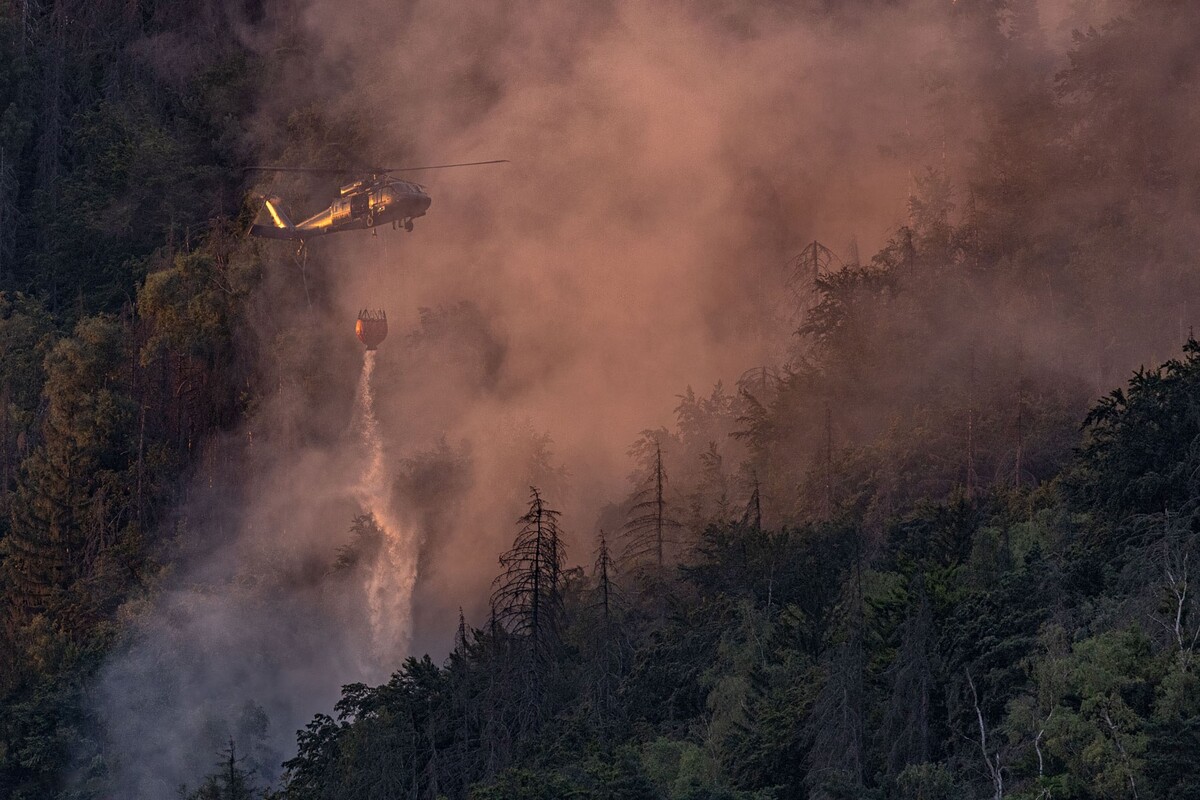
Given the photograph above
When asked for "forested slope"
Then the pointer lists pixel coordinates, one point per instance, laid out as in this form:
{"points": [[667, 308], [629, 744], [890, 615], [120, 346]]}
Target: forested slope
{"points": [[122, 291], [917, 560], [1015, 643]]}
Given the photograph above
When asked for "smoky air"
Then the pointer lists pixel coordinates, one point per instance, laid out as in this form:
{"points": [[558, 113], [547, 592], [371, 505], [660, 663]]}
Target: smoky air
{"points": [[698, 197]]}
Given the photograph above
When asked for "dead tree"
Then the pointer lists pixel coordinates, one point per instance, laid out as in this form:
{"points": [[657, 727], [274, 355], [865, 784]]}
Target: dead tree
{"points": [[802, 272], [604, 583], [1173, 553], [607, 648], [991, 760], [650, 529], [527, 596]]}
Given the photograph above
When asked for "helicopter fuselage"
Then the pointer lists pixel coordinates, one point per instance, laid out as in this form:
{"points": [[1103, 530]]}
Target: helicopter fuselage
{"points": [[359, 205]]}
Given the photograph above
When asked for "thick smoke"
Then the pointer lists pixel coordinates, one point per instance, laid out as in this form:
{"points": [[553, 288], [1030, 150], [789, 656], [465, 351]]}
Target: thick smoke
{"points": [[667, 162]]}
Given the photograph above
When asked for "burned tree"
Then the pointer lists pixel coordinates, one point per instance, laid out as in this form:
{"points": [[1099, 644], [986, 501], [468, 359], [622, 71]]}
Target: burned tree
{"points": [[527, 595], [803, 271], [650, 530], [606, 649], [604, 583], [525, 628]]}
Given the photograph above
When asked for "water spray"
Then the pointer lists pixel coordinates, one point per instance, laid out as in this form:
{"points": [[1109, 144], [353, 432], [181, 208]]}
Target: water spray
{"points": [[393, 576]]}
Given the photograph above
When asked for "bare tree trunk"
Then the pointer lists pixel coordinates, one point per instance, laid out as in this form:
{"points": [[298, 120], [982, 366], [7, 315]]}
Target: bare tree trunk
{"points": [[994, 768], [1176, 556], [1121, 749], [1037, 743]]}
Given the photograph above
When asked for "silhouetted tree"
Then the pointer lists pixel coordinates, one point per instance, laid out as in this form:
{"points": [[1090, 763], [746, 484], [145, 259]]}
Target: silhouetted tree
{"points": [[231, 782], [650, 529], [606, 647], [527, 598]]}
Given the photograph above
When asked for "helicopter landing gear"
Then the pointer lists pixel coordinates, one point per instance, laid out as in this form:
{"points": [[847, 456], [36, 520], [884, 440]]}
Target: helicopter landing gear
{"points": [[408, 224]]}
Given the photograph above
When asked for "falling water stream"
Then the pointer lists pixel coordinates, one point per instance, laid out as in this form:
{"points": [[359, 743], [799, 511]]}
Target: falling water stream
{"points": [[393, 575]]}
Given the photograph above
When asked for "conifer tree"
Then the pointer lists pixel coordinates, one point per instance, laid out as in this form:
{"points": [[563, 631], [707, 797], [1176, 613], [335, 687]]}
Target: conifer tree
{"points": [[527, 595], [68, 510], [603, 575], [650, 530], [607, 647], [231, 781], [525, 633]]}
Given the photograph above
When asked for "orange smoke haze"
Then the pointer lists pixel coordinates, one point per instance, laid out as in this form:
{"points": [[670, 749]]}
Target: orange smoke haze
{"points": [[667, 162], [666, 166]]}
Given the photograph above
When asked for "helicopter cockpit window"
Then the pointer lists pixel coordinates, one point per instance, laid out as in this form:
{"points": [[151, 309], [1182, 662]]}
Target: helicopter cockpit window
{"points": [[339, 210]]}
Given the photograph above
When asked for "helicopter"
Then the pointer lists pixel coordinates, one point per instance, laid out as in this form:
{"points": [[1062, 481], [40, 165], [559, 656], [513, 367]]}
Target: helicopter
{"points": [[371, 199]]}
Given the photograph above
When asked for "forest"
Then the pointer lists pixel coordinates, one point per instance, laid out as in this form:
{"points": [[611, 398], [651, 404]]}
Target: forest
{"points": [[939, 549]]}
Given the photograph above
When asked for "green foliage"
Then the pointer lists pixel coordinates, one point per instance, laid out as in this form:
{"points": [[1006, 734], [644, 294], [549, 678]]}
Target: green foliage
{"points": [[1173, 731], [106, 169], [521, 784], [384, 740], [194, 305], [1098, 730], [71, 533], [1141, 455], [40, 728], [926, 782]]}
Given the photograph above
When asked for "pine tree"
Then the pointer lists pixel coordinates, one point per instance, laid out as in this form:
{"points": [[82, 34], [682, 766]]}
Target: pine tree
{"points": [[69, 513], [907, 721], [604, 584], [527, 596], [650, 530], [608, 647], [231, 781]]}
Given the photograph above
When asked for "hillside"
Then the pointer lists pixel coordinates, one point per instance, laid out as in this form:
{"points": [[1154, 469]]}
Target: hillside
{"points": [[821, 376]]}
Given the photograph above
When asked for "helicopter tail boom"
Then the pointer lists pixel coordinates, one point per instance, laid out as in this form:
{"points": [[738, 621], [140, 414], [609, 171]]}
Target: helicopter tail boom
{"points": [[273, 222]]}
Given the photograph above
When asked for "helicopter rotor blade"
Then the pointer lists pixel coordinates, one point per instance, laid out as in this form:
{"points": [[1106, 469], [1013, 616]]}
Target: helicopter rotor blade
{"points": [[312, 170], [445, 166], [370, 170]]}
